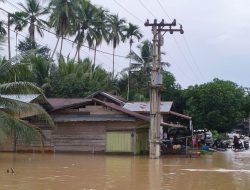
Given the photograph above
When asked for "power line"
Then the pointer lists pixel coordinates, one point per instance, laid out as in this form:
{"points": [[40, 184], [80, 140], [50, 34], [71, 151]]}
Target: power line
{"points": [[179, 68], [120, 5], [13, 5], [150, 12], [185, 58], [164, 9], [188, 47], [186, 44]]}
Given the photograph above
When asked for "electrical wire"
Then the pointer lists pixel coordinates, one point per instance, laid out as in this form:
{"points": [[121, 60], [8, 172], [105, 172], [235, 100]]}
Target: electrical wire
{"points": [[120, 5], [163, 9], [186, 44], [179, 68], [189, 50], [150, 12]]}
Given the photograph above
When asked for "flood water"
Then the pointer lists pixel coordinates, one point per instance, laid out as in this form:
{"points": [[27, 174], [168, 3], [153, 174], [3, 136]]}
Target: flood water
{"points": [[227, 170]]}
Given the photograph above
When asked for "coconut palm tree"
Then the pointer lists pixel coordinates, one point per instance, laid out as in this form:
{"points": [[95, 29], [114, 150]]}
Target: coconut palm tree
{"points": [[84, 25], [32, 11], [101, 29], [144, 59], [132, 31], [138, 71], [18, 20], [117, 28], [12, 112], [62, 17]]}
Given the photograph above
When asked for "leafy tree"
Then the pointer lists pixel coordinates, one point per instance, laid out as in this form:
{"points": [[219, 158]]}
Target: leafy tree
{"points": [[215, 105], [37, 62], [29, 46], [171, 91], [79, 79]]}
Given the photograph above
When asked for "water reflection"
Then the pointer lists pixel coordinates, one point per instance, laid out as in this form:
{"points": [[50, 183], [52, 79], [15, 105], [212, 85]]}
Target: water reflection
{"points": [[228, 170]]}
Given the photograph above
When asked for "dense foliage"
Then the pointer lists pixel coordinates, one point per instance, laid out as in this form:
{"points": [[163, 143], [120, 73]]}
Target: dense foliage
{"points": [[216, 105]]}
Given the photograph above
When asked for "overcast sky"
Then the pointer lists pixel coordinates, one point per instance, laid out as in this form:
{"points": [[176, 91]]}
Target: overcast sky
{"points": [[216, 42]]}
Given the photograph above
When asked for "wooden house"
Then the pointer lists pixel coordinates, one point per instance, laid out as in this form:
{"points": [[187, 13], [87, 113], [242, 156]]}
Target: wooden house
{"points": [[92, 125], [89, 125]]}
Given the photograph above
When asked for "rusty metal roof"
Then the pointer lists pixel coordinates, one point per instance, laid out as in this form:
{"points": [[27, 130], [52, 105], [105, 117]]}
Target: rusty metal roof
{"points": [[143, 107], [57, 103]]}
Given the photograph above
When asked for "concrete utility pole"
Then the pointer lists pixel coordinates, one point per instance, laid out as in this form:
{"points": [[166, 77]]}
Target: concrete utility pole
{"points": [[156, 83]]}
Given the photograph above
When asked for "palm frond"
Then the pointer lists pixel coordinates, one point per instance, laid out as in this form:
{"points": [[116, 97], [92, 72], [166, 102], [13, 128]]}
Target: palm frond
{"points": [[22, 129], [20, 88], [21, 110]]}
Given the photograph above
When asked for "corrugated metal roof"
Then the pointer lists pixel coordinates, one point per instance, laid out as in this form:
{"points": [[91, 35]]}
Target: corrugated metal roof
{"points": [[126, 111], [145, 106], [94, 118], [21, 97], [113, 98]]}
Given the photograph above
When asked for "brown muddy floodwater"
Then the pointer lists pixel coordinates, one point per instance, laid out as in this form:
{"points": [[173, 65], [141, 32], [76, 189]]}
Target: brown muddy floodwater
{"points": [[222, 171]]}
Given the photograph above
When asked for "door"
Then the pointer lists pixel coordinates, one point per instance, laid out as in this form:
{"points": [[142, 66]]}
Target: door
{"points": [[118, 142]]}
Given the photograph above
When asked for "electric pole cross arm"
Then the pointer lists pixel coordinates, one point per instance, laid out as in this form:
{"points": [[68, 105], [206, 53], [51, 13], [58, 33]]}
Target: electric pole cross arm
{"points": [[156, 83]]}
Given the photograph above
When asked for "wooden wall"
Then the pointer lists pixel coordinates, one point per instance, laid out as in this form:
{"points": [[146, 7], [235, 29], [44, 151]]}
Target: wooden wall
{"points": [[86, 136], [34, 146]]}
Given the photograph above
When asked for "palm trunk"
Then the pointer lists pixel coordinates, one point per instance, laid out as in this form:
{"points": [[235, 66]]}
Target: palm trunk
{"points": [[58, 38], [78, 55], [16, 41], [130, 47], [75, 56], [9, 36], [92, 67], [113, 71], [61, 47], [32, 29], [95, 54]]}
